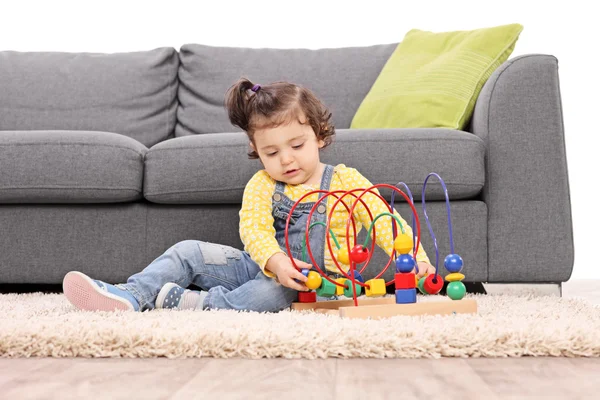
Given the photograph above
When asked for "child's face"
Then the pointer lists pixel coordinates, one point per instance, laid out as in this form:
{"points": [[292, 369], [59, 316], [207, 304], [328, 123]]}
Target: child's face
{"points": [[290, 153]]}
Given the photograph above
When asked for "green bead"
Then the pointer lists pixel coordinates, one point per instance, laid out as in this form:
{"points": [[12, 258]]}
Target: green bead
{"points": [[420, 285], [327, 289], [348, 290], [456, 290]]}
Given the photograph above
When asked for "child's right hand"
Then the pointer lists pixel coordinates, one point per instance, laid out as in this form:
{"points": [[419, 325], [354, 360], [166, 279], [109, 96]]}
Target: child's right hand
{"points": [[287, 274]]}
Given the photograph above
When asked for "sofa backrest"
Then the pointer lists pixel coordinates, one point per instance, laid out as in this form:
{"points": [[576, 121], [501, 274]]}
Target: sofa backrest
{"points": [[340, 77], [154, 95], [134, 94]]}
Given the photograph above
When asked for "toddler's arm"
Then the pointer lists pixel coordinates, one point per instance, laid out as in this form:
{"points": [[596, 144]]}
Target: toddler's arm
{"points": [[281, 265], [256, 221]]}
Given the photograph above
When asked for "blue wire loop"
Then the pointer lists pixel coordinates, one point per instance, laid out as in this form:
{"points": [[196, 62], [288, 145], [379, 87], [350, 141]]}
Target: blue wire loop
{"points": [[412, 225], [427, 218]]}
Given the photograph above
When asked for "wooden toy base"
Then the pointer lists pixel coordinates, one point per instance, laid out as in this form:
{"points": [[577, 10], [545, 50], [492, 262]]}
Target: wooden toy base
{"points": [[386, 307]]}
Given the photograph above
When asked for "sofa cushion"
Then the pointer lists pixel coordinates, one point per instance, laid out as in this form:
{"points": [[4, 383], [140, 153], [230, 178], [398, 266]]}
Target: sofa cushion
{"points": [[340, 77], [134, 94], [434, 79], [214, 168], [70, 167]]}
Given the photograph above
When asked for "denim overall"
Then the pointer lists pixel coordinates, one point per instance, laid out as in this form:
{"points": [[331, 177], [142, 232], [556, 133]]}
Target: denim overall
{"points": [[233, 280], [282, 206]]}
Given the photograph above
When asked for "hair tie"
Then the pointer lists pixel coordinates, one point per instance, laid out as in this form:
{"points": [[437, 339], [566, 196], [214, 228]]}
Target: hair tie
{"points": [[256, 88]]}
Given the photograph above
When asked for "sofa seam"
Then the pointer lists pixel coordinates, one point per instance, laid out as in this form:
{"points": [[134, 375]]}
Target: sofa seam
{"points": [[146, 244], [562, 127], [68, 144], [472, 140], [169, 95], [488, 173], [67, 187], [242, 187]]}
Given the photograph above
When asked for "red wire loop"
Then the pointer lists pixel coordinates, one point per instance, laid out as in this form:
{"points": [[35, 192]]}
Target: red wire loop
{"points": [[349, 220]]}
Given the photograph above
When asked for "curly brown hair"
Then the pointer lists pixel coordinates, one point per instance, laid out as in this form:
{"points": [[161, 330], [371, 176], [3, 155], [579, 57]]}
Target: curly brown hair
{"points": [[254, 107]]}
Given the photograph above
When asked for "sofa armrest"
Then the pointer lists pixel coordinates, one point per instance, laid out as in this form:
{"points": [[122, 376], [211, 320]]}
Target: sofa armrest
{"points": [[519, 117]]}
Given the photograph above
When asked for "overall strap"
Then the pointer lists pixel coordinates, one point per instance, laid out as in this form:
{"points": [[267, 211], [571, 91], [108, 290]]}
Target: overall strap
{"points": [[326, 179], [325, 183]]}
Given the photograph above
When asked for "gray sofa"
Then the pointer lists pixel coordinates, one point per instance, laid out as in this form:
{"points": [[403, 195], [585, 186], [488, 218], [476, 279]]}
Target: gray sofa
{"points": [[106, 160]]}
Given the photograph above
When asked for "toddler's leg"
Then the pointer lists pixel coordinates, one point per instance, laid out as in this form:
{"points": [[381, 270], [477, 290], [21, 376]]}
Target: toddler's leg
{"points": [[181, 264], [235, 281], [232, 278], [262, 294]]}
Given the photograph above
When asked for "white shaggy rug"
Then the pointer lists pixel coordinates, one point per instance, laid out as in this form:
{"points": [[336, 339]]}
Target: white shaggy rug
{"points": [[46, 325]]}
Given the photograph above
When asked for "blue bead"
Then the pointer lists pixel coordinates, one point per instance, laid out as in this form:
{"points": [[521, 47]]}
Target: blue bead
{"points": [[304, 272], [453, 263], [406, 296], [405, 263], [358, 277]]}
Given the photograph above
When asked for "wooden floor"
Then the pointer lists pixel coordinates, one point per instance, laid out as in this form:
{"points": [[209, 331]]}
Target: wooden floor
{"points": [[331, 379]]}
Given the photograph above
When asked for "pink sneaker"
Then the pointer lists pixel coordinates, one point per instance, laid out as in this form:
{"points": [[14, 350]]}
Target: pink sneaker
{"points": [[94, 295]]}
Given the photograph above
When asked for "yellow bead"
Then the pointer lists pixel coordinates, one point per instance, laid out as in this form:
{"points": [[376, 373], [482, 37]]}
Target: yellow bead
{"points": [[456, 276], [343, 257], [339, 290], [314, 280], [375, 287], [403, 244]]}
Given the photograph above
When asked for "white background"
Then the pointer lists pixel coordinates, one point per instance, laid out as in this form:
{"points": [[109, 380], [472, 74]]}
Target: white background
{"points": [[565, 29]]}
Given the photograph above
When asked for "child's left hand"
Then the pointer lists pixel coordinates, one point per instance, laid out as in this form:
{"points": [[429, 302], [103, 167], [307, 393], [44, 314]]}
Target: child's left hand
{"points": [[424, 269]]}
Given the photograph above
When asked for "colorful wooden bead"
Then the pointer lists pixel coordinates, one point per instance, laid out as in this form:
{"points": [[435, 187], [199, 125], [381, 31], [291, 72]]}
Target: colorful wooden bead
{"points": [[456, 290], [327, 289], [405, 263], [453, 263], [420, 285], [348, 292], [359, 254], [404, 280], [433, 283], [339, 290], [406, 296], [375, 287], [403, 243], [455, 276], [358, 277], [314, 280], [307, 297], [342, 256], [304, 272]]}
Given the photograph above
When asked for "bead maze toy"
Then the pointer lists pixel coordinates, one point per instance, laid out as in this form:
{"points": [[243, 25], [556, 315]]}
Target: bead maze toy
{"points": [[405, 280]]}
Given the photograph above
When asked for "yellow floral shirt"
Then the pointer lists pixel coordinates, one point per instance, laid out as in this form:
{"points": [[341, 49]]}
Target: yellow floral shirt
{"points": [[256, 219]]}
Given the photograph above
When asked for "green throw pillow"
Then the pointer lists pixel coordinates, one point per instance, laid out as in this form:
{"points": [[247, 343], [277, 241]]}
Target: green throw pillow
{"points": [[433, 79]]}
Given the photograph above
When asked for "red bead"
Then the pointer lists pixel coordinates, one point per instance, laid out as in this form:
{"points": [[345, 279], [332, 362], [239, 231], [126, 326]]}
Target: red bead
{"points": [[307, 297], [359, 254], [433, 284], [404, 280]]}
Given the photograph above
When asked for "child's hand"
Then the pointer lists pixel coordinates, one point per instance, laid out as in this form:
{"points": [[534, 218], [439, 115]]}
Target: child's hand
{"points": [[287, 274], [424, 269]]}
